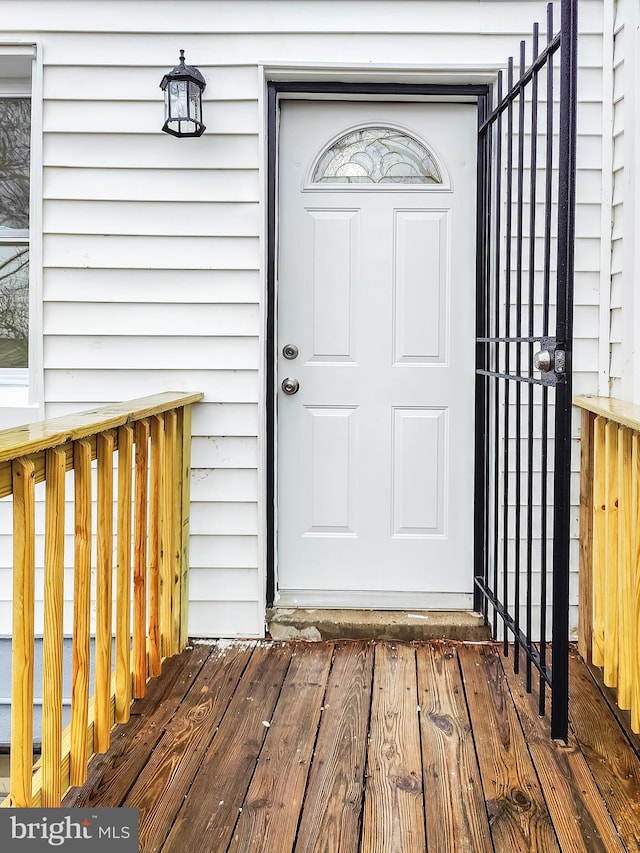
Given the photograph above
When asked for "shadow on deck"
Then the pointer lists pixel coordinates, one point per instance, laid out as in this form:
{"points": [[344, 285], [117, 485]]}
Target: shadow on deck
{"points": [[363, 746]]}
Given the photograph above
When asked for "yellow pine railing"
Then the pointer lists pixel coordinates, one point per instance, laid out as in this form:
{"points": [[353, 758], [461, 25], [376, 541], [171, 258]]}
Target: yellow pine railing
{"points": [[609, 607], [152, 436]]}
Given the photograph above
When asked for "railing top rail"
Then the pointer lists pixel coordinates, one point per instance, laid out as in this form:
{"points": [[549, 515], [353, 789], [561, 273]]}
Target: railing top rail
{"points": [[620, 411], [31, 438]]}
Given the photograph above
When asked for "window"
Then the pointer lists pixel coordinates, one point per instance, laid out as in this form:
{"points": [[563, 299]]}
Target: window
{"points": [[377, 155], [21, 347], [15, 136]]}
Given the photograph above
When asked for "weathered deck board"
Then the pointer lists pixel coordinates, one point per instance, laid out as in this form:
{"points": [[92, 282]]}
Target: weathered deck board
{"points": [[220, 780], [518, 814], [454, 803], [394, 805], [333, 801], [212, 805], [270, 815], [112, 774], [570, 790], [158, 791], [612, 761]]}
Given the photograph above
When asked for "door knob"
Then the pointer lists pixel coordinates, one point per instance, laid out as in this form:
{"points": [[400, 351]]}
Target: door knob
{"points": [[290, 386]]}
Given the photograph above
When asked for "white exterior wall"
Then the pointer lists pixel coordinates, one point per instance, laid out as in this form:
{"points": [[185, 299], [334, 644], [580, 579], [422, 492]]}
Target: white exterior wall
{"points": [[625, 259], [154, 247]]}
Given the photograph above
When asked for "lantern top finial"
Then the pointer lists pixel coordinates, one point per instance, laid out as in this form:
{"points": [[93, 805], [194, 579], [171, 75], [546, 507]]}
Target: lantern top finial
{"points": [[183, 72]]}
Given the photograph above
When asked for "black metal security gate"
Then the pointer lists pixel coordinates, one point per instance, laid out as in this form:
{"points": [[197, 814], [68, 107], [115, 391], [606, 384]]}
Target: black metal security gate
{"points": [[526, 205]]}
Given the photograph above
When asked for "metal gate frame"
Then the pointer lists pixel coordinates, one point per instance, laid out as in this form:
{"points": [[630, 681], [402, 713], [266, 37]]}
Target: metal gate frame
{"points": [[523, 369]]}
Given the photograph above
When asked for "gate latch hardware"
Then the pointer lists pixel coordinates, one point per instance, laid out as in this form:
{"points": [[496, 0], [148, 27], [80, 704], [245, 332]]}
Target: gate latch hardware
{"points": [[551, 362], [543, 360]]}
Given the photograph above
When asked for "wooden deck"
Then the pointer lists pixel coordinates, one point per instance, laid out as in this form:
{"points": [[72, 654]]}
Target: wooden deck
{"points": [[354, 746]]}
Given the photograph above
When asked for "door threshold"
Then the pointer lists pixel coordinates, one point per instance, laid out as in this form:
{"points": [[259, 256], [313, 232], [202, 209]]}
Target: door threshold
{"points": [[286, 623]]}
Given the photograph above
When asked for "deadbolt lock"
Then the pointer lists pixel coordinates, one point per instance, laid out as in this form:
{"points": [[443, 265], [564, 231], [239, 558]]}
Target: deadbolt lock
{"points": [[290, 351]]}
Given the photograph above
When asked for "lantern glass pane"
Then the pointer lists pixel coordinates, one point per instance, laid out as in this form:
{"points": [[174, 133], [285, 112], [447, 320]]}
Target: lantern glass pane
{"points": [[194, 102], [178, 99]]}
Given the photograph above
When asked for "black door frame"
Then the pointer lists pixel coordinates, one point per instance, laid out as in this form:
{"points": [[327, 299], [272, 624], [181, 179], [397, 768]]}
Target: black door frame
{"points": [[479, 93]]}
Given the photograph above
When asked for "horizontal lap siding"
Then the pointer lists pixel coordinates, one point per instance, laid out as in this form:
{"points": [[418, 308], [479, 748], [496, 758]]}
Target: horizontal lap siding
{"points": [[153, 247], [618, 356]]}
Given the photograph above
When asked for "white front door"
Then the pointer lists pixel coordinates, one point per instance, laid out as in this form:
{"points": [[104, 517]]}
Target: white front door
{"points": [[376, 291]]}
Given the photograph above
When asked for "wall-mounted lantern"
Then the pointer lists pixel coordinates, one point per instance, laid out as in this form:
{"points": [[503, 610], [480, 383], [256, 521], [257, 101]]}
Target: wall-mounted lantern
{"points": [[182, 87]]}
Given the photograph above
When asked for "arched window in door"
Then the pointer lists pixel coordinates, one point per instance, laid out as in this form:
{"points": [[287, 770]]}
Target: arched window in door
{"points": [[377, 155]]}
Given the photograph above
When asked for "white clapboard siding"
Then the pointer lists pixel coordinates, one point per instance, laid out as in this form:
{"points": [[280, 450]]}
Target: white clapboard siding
{"points": [[219, 451], [223, 386], [226, 484], [225, 353], [345, 47], [141, 117], [154, 247], [224, 519], [133, 318], [221, 151], [257, 16], [226, 618], [178, 219], [152, 286], [620, 180], [152, 184], [219, 552], [120, 252], [140, 83], [225, 584]]}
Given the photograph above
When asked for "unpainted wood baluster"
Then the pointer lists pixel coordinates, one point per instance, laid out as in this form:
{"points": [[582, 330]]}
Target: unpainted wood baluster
{"points": [[22, 648], [53, 634], [156, 525], [611, 613], [140, 561], [167, 561], [123, 589], [635, 562], [185, 497], [599, 538], [626, 606], [79, 752], [104, 585], [585, 576]]}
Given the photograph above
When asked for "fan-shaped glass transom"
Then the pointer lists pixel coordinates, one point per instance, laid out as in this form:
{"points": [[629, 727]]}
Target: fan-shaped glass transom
{"points": [[377, 155]]}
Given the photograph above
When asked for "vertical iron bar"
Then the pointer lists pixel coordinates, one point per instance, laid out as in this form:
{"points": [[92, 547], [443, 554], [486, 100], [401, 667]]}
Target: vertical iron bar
{"points": [[488, 347], [531, 297], [518, 426], [480, 511], [564, 330], [507, 333], [546, 283], [496, 366]]}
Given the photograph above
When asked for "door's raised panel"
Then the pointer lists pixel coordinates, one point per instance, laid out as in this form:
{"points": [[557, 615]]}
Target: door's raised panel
{"points": [[419, 464], [421, 284], [332, 466], [334, 259]]}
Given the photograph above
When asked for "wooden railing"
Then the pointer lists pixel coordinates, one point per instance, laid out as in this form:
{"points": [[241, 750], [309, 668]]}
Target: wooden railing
{"points": [[609, 606], [152, 437]]}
